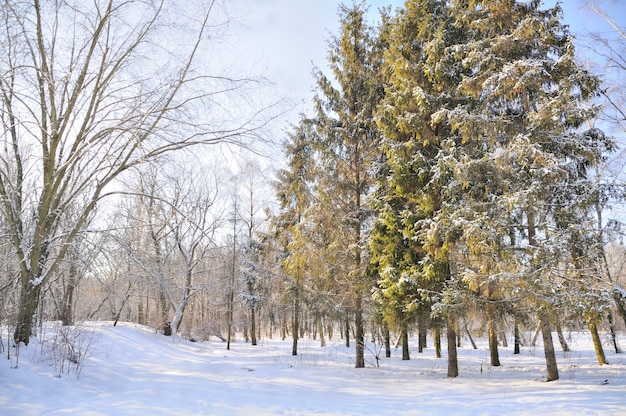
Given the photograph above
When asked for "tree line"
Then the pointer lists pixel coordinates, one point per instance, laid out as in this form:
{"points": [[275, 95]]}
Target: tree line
{"points": [[453, 167], [452, 176]]}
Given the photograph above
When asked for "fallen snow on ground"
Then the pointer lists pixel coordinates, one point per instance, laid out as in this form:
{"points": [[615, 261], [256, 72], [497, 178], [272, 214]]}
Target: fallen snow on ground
{"points": [[131, 370]]}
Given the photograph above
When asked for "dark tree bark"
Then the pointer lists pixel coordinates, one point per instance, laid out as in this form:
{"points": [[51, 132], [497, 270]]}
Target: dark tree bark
{"points": [[618, 350], [469, 335], [296, 321], [422, 323], [437, 341], [405, 343], [387, 342], [453, 366], [359, 335], [493, 343], [516, 348]]}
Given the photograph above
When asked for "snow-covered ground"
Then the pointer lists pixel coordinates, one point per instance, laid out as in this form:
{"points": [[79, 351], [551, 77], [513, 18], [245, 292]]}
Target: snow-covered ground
{"points": [[131, 370]]}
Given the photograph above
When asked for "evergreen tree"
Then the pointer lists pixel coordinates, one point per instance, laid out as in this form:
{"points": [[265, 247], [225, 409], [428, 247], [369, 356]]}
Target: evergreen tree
{"points": [[485, 152], [423, 74], [294, 195], [347, 146], [523, 154]]}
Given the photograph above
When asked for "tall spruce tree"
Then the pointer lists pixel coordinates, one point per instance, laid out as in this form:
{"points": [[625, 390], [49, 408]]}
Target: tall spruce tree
{"points": [[521, 166], [347, 146], [423, 74], [486, 152]]}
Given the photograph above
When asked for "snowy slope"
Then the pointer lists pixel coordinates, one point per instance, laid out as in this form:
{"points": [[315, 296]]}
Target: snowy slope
{"points": [[130, 370]]}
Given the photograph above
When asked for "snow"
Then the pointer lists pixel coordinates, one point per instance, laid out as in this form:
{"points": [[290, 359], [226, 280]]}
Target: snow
{"points": [[132, 370]]}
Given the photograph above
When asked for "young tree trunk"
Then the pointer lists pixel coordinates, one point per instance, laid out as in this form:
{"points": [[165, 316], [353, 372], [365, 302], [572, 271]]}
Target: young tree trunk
{"points": [[141, 317], [516, 348], [253, 327], [535, 336], [493, 343], [469, 335], [618, 350], [320, 329], [422, 322], [359, 333], [118, 313], [619, 301], [562, 340], [347, 331], [453, 366], [230, 312], [165, 323], [296, 320], [387, 341], [283, 329], [67, 313], [597, 343], [437, 341], [505, 343], [548, 347], [404, 334]]}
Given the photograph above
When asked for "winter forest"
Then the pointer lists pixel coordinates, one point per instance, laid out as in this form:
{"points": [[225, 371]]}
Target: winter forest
{"points": [[458, 176]]}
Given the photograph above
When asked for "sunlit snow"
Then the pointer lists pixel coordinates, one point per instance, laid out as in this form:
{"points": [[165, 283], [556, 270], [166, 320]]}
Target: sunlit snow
{"points": [[131, 370]]}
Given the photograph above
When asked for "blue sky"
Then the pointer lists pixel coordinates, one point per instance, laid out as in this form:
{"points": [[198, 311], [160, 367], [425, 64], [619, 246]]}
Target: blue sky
{"points": [[283, 38]]}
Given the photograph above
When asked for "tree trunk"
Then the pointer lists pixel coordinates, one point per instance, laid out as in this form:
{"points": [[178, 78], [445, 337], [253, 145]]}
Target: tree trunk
{"points": [[359, 333], [516, 348], [597, 343], [493, 343], [347, 331], [320, 329], [548, 347], [296, 320], [505, 343], [469, 335], [619, 301], [618, 350], [67, 313], [229, 317], [29, 299], [437, 341], [562, 341], [253, 328], [387, 342], [453, 366], [141, 317], [283, 329], [536, 335], [404, 334], [165, 323], [422, 323]]}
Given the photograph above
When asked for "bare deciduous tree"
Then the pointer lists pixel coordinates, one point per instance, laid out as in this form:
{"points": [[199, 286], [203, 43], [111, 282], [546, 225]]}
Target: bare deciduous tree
{"points": [[87, 91]]}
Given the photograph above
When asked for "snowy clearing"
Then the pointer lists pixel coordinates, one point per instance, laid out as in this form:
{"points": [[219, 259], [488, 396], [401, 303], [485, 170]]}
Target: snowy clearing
{"points": [[131, 370]]}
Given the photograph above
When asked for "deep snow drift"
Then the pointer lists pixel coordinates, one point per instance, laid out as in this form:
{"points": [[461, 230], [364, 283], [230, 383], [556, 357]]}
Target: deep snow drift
{"points": [[131, 370]]}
